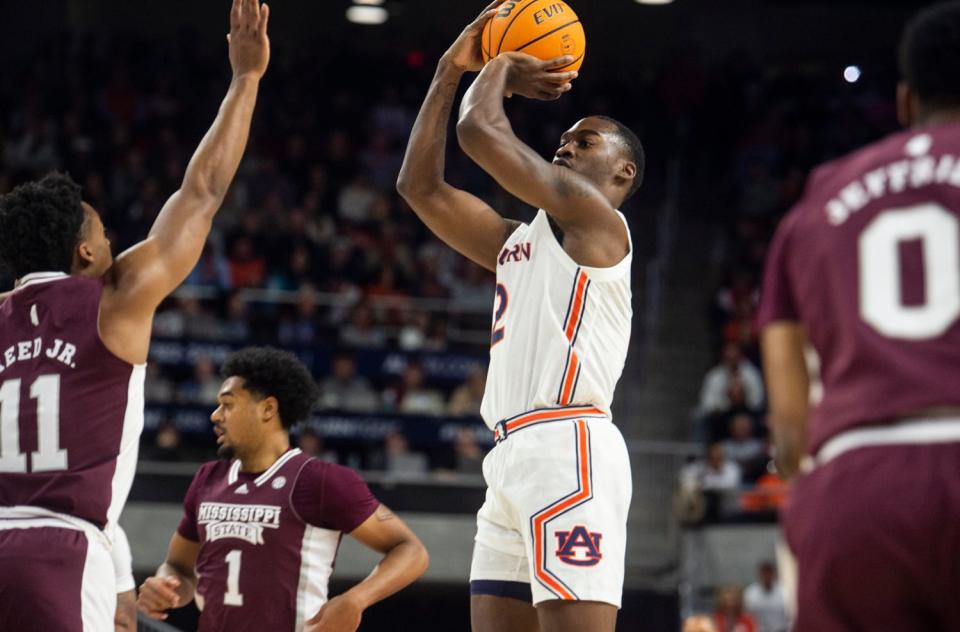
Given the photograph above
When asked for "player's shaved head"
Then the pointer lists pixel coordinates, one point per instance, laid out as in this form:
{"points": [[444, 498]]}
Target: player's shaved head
{"points": [[633, 150], [40, 225], [930, 57]]}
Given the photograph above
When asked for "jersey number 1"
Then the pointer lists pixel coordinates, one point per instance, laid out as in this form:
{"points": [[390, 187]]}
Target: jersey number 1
{"points": [[48, 457]]}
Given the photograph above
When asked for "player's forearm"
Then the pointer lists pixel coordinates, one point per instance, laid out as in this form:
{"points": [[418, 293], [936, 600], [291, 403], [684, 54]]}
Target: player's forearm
{"points": [[400, 567], [424, 163], [482, 117], [214, 164]]}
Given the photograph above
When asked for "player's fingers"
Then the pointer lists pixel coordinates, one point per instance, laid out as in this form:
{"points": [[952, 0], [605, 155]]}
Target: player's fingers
{"points": [[557, 62], [264, 20], [492, 7], [235, 12], [560, 77], [251, 15]]}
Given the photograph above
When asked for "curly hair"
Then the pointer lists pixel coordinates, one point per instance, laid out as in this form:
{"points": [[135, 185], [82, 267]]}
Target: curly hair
{"points": [[634, 149], [269, 372], [40, 225], [930, 55]]}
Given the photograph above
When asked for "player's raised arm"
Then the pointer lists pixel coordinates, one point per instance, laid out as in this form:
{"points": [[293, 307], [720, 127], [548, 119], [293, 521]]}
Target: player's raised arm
{"points": [[146, 273], [404, 560], [174, 584], [463, 221], [486, 135], [788, 389]]}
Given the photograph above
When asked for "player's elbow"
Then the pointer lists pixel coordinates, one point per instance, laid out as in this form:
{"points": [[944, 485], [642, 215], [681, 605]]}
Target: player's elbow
{"points": [[415, 190], [471, 131], [421, 560]]}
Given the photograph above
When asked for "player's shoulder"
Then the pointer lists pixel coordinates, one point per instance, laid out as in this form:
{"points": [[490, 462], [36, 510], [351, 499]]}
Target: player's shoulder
{"points": [[316, 472], [212, 470]]}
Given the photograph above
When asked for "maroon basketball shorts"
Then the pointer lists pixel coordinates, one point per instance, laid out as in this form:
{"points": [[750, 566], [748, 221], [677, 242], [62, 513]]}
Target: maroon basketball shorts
{"points": [[876, 533], [54, 578]]}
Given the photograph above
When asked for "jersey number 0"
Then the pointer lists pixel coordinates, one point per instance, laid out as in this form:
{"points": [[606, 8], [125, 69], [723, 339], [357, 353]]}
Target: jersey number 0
{"points": [[881, 292]]}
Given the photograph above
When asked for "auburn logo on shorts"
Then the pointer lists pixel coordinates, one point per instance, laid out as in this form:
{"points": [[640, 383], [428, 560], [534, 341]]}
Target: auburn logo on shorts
{"points": [[579, 547]]}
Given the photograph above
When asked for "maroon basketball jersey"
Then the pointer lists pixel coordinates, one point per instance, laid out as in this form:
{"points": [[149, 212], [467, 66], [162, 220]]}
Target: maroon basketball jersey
{"points": [[71, 412], [869, 262], [268, 541]]}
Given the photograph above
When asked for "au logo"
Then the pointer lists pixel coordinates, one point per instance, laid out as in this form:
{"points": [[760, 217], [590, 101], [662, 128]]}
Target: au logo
{"points": [[579, 547]]}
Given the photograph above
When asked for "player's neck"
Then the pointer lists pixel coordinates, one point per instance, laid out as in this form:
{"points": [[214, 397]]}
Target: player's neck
{"points": [[267, 454], [936, 117]]}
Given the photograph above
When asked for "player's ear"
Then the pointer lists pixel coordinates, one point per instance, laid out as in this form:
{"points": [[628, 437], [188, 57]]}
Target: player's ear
{"points": [[83, 256], [269, 409], [906, 106], [627, 170]]}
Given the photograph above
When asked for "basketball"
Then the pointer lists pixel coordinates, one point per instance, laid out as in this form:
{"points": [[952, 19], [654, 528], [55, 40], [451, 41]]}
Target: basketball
{"points": [[542, 28]]}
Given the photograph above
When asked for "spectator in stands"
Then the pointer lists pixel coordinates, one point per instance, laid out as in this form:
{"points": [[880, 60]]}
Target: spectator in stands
{"points": [[469, 455], [413, 396], [699, 623], [235, 327], [728, 614], [345, 390], [413, 335], [766, 601], [732, 386], [467, 397], [302, 328], [248, 268], [212, 270], [397, 460], [198, 322], [203, 388], [362, 331], [311, 443], [713, 473], [158, 388], [744, 449], [166, 445]]}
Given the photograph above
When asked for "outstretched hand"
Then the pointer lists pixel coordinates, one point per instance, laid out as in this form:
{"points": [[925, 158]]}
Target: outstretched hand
{"points": [[465, 53], [534, 78], [249, 44]]}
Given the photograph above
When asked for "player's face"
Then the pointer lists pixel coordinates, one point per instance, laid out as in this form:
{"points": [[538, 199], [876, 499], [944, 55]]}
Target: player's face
{"points": [[236, 421], [590, 148], [94, 245]]}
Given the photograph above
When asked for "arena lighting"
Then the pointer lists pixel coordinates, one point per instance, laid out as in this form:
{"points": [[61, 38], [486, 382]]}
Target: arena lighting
{"points": [[852, 74], [375, 3], [367, 15]]}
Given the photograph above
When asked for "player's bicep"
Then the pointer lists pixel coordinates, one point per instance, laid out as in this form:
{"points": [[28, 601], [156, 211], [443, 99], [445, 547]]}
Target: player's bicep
{"points": [[383, 531], [465, 223]]}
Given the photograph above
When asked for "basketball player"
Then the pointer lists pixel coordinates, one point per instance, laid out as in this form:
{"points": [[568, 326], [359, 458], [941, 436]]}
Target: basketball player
{"points": [[866, 270], [74, 335], [550, 544], [261, 527]]}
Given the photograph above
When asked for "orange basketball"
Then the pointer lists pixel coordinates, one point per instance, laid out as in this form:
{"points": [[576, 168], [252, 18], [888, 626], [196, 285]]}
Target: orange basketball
{"points": [[542, 28]]}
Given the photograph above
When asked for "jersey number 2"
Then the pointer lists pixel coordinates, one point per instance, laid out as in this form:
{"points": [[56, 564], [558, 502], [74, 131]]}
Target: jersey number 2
{"points": [[881, 292], [48, 457], [500, 309]]}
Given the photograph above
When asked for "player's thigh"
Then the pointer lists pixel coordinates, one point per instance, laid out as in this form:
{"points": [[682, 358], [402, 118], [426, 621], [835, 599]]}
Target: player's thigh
{"points": [[574, 501], [502, 614], [576, 616], [55, 579], [861, 528]]}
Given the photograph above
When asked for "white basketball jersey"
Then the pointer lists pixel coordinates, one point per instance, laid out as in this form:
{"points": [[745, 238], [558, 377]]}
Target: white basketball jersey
{"points": [[560, 330]]}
